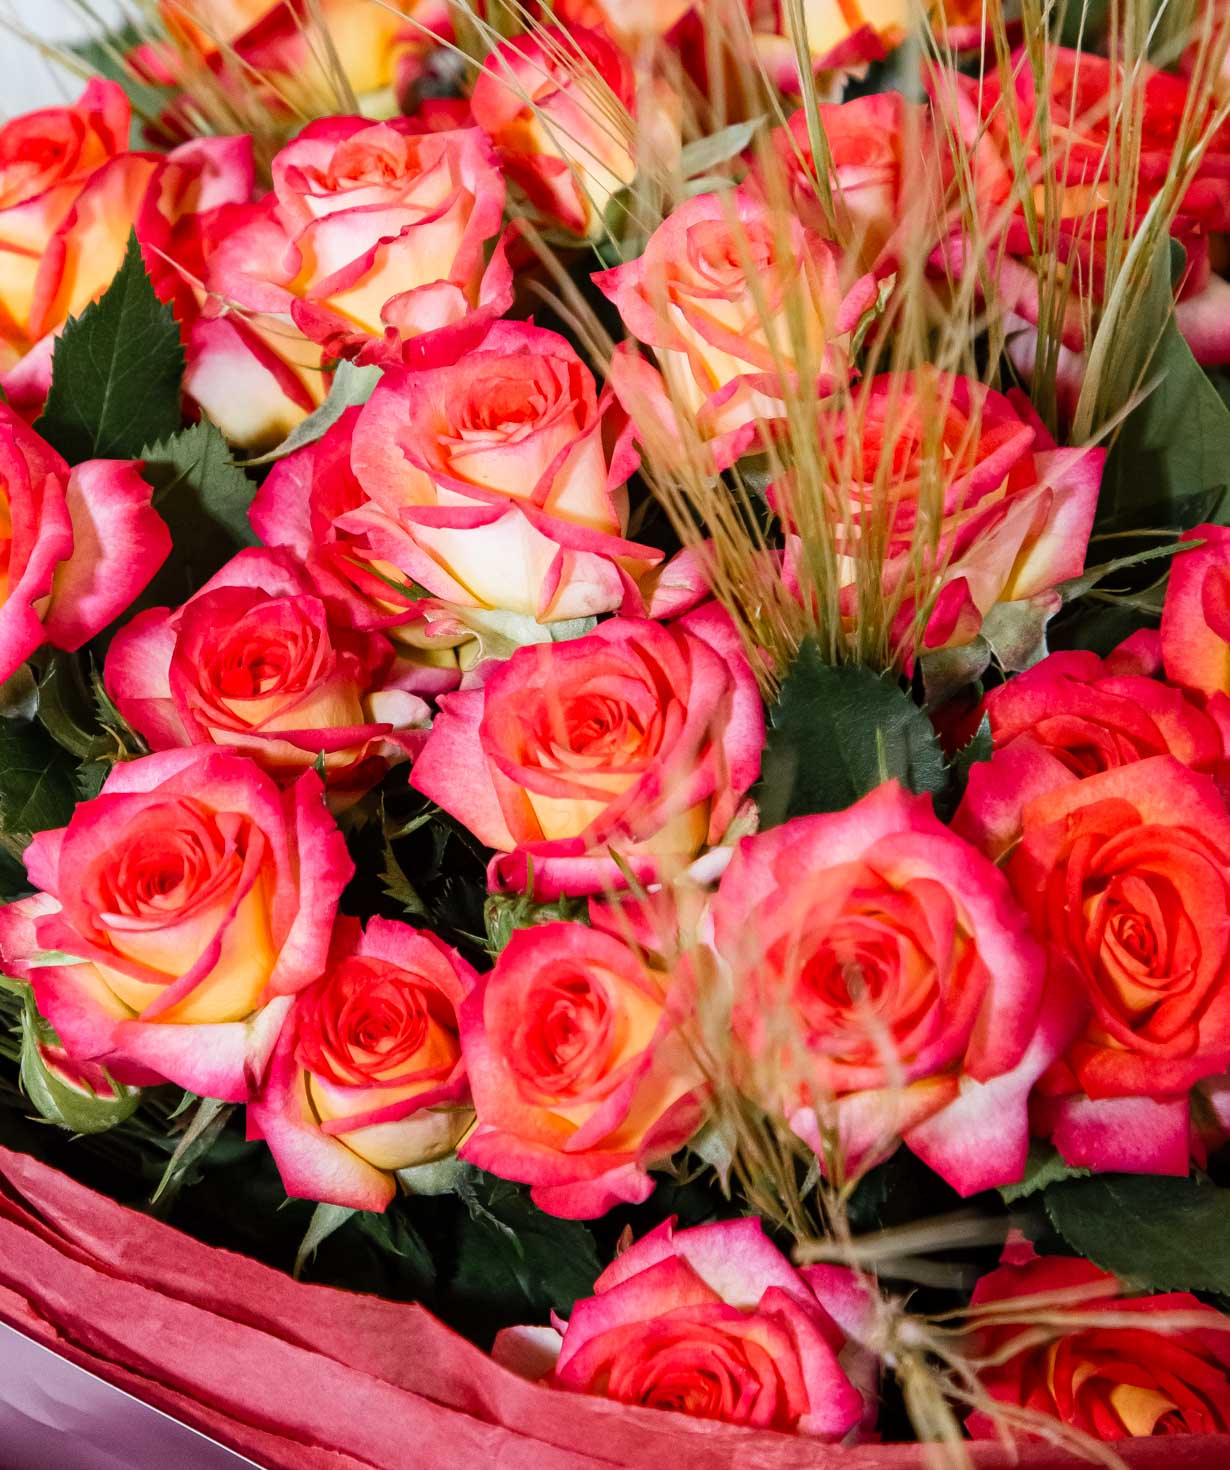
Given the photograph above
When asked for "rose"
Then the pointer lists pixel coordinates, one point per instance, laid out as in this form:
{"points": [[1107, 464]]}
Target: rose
{"points": [[1124, 876], [77, 545], [640, 738], [1093, 714], [367, 1077], [194, 898], [488, 483], [372, 241], [557, 106], [1016, 512], [1113, 1382], [885, 980], [70, 193], [838, 37], [723, 306], [716, 1323], [581, 1075], [1195, 633], [254, 661], [627, 20]]}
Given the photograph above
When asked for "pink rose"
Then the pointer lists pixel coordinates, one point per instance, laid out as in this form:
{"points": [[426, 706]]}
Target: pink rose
{"points": [[716, 1323], [839, 38], [555, 104], [368, 1076], [254, 661], [487, 482], [373, 240], [196, 899], [1195, 634], [1124, 877], [77, 545], [887, 988], [722, 342], [641, 738], [70, 193], [581, 1075], [627, 20]]}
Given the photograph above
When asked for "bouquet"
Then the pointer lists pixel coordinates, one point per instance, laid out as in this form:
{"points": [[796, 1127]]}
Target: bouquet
{"points": [[615, 720]]}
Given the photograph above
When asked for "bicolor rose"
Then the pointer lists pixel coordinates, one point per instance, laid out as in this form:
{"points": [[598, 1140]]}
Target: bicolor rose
{"points": [[1125, 876], [1111, 1383], [1016, 513], [70, 193], [77, 545], [716, 1323], [488, 483], [724, 306], [373, 241], [557, 105], [1195, 633], [582, 1075], [1095, 713], [627, 20], [254, 661], [639, 739], [886, 988], [368, 1076], [838, 38], [187, 903]]}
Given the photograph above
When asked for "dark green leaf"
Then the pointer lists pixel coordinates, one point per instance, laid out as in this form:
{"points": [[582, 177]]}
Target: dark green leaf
{"points": [[115, 377], [1163, 1234], [205, 1127], [204, 499], [325, 1220], [836, 732], [36, 784], [391, 1232], [1044, 1167]]}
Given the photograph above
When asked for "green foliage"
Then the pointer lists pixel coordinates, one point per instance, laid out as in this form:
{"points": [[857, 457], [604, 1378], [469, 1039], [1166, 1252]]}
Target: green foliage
{"points": [[1164, 1234], [79, 1109], [505, 912], [36, 784], [1044, 1167], [835, 733], [351, 386], [115, 375]]}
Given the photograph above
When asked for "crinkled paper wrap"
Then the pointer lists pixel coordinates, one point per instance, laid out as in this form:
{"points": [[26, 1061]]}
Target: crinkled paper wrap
{"points": [[302, 1377]]}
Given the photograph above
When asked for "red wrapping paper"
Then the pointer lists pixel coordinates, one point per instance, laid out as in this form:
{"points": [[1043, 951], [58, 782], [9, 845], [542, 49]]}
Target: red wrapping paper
{"points": [[303, 1377]]}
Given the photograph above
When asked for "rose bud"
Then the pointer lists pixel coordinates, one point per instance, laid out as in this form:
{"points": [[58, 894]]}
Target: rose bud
{"points": [[368, 1076], [196, 898], [885, 979], [639, 739], [716, 1323], [1124, 875], [581, 1076], [487, 483], [372, 241], [70, 193], [1110, 1383], [254, 661], [723, 340], [78, 545]]}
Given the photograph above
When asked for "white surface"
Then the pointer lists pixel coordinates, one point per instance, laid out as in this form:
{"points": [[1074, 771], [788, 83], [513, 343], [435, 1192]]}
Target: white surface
{"points": [[29, 79]]}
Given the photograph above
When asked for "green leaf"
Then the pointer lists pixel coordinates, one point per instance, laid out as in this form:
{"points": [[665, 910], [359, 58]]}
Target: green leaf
{"points": [[325, 1220], [392, 1233], [399, 888], [36, 784], [1163, 1234], [204, 498], [115, 375], [1044, 1167], [204, 1129], [513, 1257], [78, 1108], [351, 386], [505, 912], [838, 731], [706, 153]]}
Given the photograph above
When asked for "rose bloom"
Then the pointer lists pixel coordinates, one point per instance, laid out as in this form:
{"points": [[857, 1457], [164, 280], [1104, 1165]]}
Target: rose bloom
{"points": [[254, 375], [716, 1323], [76, 545], [1195, 633], [1079, 118], [721, 341], [488, 482], [1114, 1382], [368, 1076], [70, 192], [554, 106], [1124, 875], [255, 662], [884, 976], [640, 737], [1017, 509], [372, 241], [628, 21], [1094, 714], [196, 898], [842, 37], [581, 1076]]}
